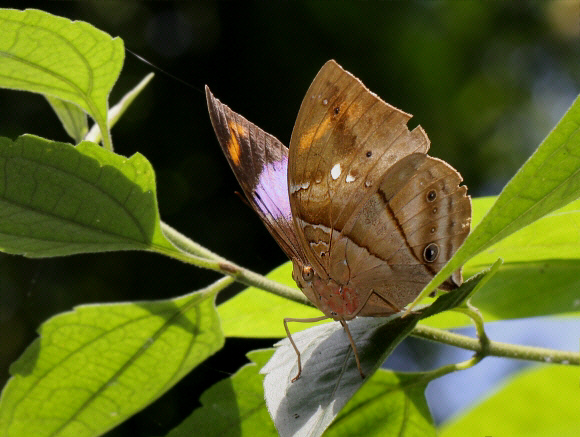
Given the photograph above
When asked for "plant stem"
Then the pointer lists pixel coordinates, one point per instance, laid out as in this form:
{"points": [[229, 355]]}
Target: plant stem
{"points": [[187, 245], [193, 253], [474, 314], [450, 368], [496, 348]]}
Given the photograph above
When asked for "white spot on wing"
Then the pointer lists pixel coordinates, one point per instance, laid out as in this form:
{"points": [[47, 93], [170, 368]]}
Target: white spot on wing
{"points": [[304, 223], [350, 178], [336, 171], [297, 187]]}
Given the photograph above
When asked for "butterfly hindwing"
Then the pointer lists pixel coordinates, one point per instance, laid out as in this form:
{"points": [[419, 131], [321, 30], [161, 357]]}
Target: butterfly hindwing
{"points": [[414, 222]]}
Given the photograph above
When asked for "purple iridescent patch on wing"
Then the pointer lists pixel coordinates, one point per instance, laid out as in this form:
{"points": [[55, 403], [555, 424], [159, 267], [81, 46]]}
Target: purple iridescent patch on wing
{"points": [[271, 192]]}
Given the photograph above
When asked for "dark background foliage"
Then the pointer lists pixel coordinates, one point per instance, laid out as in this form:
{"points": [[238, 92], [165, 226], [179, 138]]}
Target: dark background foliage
{"points": [[486, 80]]}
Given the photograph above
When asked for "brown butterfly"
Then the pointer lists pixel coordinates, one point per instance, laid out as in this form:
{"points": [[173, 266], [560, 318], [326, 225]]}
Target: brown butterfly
{"points": [[365, 215]]}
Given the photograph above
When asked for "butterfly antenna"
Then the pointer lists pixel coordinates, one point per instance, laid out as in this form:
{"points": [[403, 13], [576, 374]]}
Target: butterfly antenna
{"points": [[183, 82]]}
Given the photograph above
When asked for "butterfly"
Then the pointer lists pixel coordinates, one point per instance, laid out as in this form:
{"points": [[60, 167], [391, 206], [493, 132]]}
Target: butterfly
{"points": [[365, 215]]}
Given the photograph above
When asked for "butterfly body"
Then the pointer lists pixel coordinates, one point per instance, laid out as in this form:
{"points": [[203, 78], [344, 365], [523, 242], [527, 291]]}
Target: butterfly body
{"points": [[366, 216]]}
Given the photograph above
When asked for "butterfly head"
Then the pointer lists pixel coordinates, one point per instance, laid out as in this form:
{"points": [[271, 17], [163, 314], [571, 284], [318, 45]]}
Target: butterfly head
{"points": [[338, 301]]}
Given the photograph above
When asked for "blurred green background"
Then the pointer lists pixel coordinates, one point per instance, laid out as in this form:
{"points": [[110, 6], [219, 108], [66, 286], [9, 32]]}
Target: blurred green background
{"points": [[486, 80]]}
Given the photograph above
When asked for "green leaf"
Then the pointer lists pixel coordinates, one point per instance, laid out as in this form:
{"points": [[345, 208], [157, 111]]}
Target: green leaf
{"points": [[70, 60], [554, 236], [549, 180], [259, 314], [329, 372], [540, 402], [73, 119], [388, 404], [94, 367], [234, 406], [119, 109], [56, 199]]}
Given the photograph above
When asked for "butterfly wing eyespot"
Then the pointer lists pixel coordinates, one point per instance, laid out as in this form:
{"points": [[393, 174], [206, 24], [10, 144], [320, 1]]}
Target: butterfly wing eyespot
{"points": [[431, 196], [307, 273], [431, 252]]}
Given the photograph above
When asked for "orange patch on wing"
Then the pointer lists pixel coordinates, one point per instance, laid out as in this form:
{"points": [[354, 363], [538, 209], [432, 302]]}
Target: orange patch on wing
{"points": [[313, 134], [356, 110], [234, 149]]}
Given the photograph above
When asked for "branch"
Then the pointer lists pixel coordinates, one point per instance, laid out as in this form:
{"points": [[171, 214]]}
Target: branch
{"points": [[496, 348], [193, 253]]}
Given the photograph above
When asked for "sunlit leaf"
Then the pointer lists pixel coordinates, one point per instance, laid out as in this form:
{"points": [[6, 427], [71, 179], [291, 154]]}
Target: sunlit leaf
{"points": [[70, 60], [234, 406], [540, 275], [389, 403], [257, 313], [56, 199], [94, 367], [540, 402]]}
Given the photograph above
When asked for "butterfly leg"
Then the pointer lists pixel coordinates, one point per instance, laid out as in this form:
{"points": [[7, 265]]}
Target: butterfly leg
{"points": [[345, 326], [311, 320]]}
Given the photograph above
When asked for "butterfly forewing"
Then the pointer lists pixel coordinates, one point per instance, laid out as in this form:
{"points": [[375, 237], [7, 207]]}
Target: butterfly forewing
{"points": [[359, 185], [260, 163], [344, 140]]}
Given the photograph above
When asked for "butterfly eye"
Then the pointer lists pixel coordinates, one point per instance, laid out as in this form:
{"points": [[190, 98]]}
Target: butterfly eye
{"points": [[431, 253], [307, 273]]}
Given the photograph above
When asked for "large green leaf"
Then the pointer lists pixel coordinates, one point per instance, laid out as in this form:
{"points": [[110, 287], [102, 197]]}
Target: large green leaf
{"points": [[94, 367], [330, 376], [234, 406], [540, 402], [389, 404], [70, 60], [56, 199], [549, 180]]}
